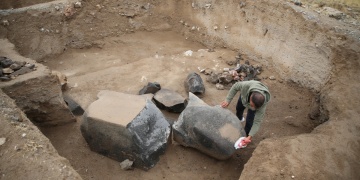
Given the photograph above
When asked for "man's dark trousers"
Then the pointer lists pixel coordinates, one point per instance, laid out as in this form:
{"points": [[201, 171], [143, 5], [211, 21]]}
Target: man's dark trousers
{"points": [[249, 117]]}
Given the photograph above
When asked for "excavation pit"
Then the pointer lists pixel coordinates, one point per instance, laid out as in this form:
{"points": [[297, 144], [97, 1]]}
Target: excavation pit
{"points": [[121, 46]]}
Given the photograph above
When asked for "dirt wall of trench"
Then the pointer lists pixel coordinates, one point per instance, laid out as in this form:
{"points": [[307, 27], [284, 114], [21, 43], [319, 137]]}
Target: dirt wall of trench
{"points": [[275, 32], [24, 149], [302, 46], [306, 48]]}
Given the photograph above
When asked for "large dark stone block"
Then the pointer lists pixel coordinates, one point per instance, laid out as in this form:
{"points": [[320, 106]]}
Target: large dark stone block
{"points": [[212, 130], [123, 126]]}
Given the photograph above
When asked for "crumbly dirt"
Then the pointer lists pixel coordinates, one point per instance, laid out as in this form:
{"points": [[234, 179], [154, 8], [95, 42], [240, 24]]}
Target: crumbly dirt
{"points": [[158, 57], [107, 45]]}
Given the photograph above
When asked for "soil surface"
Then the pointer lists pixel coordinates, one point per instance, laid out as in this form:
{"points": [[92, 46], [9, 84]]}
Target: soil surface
{"points": [[147, 43], [126, 64]]}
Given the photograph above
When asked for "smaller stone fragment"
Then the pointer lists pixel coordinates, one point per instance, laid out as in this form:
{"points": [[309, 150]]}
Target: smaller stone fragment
{"points": [[7, 71], [77, 4], [126, 164], [219, 86], [272, 78], [2, 141], [5, 23], [150, 88], [21, 71], [74, 107]]}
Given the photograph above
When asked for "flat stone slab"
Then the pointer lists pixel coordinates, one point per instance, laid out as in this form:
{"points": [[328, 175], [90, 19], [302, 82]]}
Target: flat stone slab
{"points": [[212, 130], [169, 100], [125, 126]]}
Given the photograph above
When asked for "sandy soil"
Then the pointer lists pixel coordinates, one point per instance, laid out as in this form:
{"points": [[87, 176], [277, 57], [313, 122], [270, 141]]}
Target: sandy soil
{"points": [[107, 45], [122, 64]]}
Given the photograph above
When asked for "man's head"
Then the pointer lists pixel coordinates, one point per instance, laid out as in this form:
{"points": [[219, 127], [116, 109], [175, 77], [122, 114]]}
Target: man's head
{"points": [[256, 100]]}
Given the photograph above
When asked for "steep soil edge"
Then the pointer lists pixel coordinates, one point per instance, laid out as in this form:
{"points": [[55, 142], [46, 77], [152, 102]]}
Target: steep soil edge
{"points": [[26, 148], [331, 151]]}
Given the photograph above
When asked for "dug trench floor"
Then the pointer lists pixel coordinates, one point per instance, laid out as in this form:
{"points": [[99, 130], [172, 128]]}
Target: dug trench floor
{"points": [[126, 63]]}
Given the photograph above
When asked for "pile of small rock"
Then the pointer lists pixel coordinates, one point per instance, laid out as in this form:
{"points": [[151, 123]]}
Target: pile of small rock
{"points": [[229, 76], [10, 69]]}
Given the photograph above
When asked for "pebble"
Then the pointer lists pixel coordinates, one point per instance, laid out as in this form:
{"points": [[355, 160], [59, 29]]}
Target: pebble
{"points": [[2, 141], [272, 78], [5, 23], [17, 148], [7, 71], [126, 164], [219, 86], [77, 4]]}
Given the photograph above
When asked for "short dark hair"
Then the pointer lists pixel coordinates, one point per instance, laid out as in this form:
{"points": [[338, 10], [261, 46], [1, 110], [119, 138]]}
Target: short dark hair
{"points": [[258, 99]]}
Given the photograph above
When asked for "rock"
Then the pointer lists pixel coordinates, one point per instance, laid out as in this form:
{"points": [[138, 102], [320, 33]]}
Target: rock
{"points": [[15, 66], [188, 53], [126, 164], [212, 130], [272, 78], [77, 4], [37, 94], [230, 63], [21, 71], [150, 88], [213, 78], [225, 78], [242, 4], [62, 79], [7, 71], [69, 11], [2, 141], [57, 8], [194, 84], [5, 62], [74, 107], [30, 66], [334, 13], [170, 100], [124, 126], [219, 86], [297, 2], [5, 78], [5, 23], [208, 71]]}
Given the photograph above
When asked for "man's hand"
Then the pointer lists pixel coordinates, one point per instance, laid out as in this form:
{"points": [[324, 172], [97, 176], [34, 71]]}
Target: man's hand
{"points": [[247, 140], [224, 104]]}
